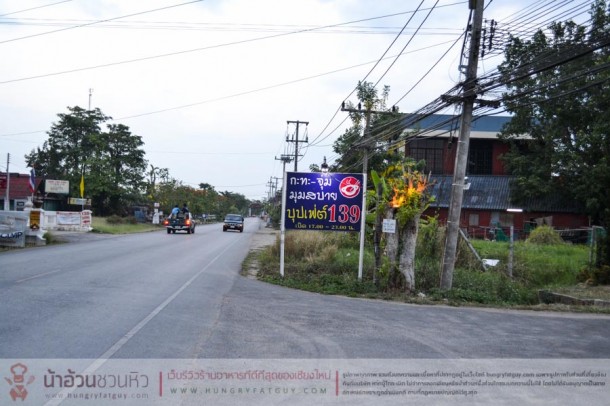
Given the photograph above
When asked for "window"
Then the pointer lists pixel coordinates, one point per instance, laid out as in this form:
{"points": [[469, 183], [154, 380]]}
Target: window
{"points": [[431, 151], [473, 219], [480, 158]]}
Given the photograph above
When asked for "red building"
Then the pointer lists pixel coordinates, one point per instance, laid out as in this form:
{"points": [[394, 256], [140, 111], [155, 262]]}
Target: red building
{"points": [[19, 189], [487, 210]]}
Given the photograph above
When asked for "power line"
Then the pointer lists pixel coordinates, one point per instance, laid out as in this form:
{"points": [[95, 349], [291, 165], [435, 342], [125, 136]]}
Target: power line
{"points": [[223, 27], [250, 92], [249, 40], [353, 90], [99, 21], [34, 8], [407, 44]]}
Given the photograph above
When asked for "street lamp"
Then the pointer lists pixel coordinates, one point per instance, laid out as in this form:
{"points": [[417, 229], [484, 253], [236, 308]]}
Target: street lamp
{"points": [[324, 166]]}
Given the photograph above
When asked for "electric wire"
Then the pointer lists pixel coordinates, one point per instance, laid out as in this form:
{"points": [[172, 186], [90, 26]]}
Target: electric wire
{"points": [[35, 8], [98, 21], [543, 64], [200, 49], [320, 136], [407, 44]]}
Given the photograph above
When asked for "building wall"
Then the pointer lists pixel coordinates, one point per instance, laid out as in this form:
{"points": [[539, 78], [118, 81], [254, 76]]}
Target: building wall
{"points": [[478, 223], [442, 147]]}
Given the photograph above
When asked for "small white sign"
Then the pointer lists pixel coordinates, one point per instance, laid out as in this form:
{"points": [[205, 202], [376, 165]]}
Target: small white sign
{"points": [[389, 226], [57, 186]]}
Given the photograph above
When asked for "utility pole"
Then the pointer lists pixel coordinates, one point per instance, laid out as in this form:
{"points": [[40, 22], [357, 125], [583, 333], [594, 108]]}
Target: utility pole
{"points": [[275, 190], [365, 169], [90, 94], [285, 159], [7, 201], [365, 163], [296, 141], [367, 114], [461, 161], [270, 184], [367, 127]]}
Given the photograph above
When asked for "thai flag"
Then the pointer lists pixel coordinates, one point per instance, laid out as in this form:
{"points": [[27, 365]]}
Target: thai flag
{"points": [[32, 180]]}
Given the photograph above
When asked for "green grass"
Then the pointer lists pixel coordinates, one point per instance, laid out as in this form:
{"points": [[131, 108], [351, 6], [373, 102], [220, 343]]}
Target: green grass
{"points": [[101, 225], [537, 265], [328, 263]]}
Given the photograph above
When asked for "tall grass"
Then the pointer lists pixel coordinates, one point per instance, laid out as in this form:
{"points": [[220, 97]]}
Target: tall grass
{"points": [[317, 261]]}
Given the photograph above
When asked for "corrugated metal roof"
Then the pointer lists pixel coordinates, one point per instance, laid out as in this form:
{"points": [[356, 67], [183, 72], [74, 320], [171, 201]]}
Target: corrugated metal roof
{"points": [[485, 192], [492, 192], [554, 204]]}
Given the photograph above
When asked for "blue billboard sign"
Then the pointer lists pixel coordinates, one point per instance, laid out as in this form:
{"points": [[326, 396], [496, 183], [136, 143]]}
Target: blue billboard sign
{"points": [[323, 201]]}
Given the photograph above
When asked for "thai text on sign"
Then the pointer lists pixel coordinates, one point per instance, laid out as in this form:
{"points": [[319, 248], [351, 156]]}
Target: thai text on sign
{"points": [[324, 201]]}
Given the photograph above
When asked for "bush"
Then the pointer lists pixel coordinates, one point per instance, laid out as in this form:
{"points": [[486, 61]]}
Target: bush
{"points": [[117, 220], [49, 238], [595, 276], [486, 288], [544, 235], [114, 219]]}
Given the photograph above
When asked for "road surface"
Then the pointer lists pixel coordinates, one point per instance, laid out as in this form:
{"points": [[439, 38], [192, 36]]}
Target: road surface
{"points": [[155, 295]]}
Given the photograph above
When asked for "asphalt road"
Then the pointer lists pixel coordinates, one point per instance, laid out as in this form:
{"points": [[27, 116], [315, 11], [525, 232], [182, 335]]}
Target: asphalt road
{"points": [[155, 295]]}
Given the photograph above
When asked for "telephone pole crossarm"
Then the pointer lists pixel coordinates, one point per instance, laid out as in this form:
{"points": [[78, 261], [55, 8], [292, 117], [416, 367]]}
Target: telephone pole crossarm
{"points": [[296, 140]]}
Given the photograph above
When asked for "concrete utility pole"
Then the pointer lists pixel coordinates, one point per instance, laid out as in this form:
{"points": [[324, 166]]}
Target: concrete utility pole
{"points": [[461, 161], [365, 136], [7, 199], [365, 169], [286, 159], [365, 164], [296, 141], [275, 188], [270, 184]]}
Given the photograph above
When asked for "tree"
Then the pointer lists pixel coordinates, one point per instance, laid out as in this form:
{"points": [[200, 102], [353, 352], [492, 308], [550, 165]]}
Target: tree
{"points": [[558, 90], [155, 173], [233, 203], [70, 142], [112, 162], [118, 156], [404, 197]]}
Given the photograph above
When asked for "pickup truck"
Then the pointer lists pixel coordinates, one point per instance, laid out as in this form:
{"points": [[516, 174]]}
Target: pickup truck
{"points": [[233, 222], [180, 222]]}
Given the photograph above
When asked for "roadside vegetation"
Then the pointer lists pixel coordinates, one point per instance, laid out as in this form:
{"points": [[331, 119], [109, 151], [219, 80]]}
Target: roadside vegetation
{"points": [[121, 225], [328, 263]]}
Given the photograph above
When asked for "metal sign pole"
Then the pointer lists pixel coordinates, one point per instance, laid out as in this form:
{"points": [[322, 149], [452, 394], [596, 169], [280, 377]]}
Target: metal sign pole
{"points": [[283, 225]]}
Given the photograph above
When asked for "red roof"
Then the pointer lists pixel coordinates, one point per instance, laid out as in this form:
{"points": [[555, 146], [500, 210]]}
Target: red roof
{"points": [[19, 187]]}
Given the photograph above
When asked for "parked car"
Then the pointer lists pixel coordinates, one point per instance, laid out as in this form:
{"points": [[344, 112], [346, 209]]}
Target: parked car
{"points": [[180, 222], [233, 222]]}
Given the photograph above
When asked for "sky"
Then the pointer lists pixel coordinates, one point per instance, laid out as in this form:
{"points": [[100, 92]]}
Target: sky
{"points": [[211, 85]]}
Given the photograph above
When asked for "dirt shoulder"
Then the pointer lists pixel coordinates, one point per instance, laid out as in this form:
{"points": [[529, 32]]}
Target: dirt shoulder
{"points": [[264, 237]]}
